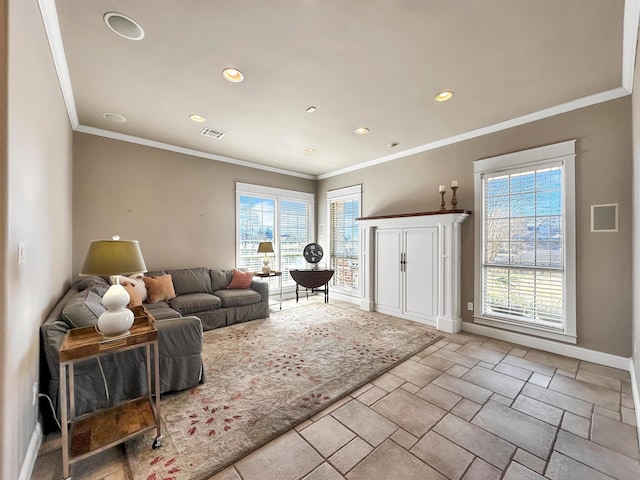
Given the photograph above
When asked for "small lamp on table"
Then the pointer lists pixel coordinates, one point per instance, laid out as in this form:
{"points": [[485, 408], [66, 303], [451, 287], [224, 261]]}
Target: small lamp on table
{"points": [[266, 248]]}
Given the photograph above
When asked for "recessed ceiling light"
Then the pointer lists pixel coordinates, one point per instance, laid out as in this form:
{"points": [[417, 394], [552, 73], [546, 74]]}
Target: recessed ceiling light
{"points": [[114, 117], [197, 118], [392, 144], [443, 96], [123, 26], [233, 75], [310, 151], [362, 130], [311, 109]]}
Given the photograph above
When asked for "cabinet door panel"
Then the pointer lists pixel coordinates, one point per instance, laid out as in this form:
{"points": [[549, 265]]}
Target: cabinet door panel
{"points": [[420, 284], [388, 276]]}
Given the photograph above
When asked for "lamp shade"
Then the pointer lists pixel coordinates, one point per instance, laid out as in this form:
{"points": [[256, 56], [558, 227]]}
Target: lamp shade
{"points": [[265, 247], [113, 257]]}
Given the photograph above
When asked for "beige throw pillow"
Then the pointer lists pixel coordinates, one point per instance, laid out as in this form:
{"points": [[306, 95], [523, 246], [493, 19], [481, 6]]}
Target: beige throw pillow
{"points": [[134, 295], [159, 289]]}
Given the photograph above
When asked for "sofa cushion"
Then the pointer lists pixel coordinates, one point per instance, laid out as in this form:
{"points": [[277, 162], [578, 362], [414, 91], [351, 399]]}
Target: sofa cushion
{"points": [[159, 289], [238, 297], [163, 313], [83, 309], [191, 280], [220, 279], [241, 279], [192, 303]]}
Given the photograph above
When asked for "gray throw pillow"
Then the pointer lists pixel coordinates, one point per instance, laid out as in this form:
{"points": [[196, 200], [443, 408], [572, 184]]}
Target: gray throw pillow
{"points": [[83, 309]]}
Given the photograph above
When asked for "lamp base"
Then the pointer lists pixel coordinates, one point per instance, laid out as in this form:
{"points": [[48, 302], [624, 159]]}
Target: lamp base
{"points": [[118, 318], [265, 265]]}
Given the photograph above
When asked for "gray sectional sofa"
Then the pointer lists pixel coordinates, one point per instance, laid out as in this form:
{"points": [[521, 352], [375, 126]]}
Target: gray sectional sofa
{"points": [[202, 302]]}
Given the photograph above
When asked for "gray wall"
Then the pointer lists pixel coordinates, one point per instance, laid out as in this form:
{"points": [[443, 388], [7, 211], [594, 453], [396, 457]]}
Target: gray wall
{"points": [[180, 208], [36, 209], [603, 175], [636, 227]]}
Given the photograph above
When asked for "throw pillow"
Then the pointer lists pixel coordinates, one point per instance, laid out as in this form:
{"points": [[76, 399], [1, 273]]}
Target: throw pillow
{"points": [[241, 279], [83, 309], [137, 280], [159, 289], [134, 295]]}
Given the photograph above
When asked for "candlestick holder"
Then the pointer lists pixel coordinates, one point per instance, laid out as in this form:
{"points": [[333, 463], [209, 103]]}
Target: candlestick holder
{"points": [[454, 200], [442, 202]]}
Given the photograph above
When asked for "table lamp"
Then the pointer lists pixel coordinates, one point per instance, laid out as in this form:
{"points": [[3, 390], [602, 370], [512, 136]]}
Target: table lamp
{"points": [[114, 257], [265, 247]]}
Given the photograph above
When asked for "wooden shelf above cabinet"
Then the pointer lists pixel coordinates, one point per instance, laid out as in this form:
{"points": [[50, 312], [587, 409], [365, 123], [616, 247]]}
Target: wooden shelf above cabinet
{"points": [[416, 214]]}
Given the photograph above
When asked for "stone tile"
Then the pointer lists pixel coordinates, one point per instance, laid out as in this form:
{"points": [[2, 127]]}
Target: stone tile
{"points": [[463, 388], [615, 435], [410, 387], [372, 395], [627, 400], [576, 424], [461, 338], [608, 382], [481, 470], [466, 409], [334, 406], [611, 372], [404, 439], [457, 371], [429, 350], [513, 371], [520, 472], [323, 472], [566, 373], [415, 372], [327, 435], [481, 443], [530, 461], [597, 457], [481, 353], [359, 391], [518, 352], [388, 382], [443, 455], [227, 474], [452, 347], [486, 365], [498, 346], [439, 396], [540, 380], [350, 455], [559, 400], [589, 392], [542, 411], [496, 397], [286, 457], [441, 343], [629, 416], [303, 425], [553, 360], [606, 412], [528, 365], [392, 461], [369, 425], [456, 358], [564, 468], [522, 430], [494, 381], [626, 386], [412, 413], [437, 363]]}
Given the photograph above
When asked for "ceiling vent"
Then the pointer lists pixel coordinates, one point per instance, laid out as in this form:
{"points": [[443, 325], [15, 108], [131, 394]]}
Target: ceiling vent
{"points": [[210, 132]]}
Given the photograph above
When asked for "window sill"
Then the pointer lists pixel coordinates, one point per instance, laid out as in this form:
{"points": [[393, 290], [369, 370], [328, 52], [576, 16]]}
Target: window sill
{"points": [[526, 329]]}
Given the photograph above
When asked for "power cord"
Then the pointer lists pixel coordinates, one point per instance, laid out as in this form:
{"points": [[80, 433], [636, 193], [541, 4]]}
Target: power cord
{"points": [[53, 412]]}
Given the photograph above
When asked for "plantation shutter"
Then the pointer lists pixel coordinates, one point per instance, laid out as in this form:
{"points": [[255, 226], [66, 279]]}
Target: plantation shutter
{"points": [[344, 241], [294, 235]]}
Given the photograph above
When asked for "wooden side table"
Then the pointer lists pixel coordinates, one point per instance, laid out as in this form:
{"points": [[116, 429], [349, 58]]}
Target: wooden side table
{"points": [[313, 279], [96, 431], [271, 274]]}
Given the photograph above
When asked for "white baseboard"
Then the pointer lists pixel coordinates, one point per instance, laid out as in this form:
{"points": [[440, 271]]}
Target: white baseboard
{"points": [[635, 392], [449, 325], [573, 351], [32, 453]]}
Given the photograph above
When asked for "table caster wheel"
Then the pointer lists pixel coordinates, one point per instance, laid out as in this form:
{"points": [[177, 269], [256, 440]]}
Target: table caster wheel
{"points": [[157, 443]]}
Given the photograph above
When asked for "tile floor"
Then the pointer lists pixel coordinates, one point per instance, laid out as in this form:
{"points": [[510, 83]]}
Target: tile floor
{"points": [[467, 407]]}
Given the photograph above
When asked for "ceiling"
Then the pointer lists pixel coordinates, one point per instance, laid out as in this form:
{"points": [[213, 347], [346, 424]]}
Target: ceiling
{"points": [[375, 64]]}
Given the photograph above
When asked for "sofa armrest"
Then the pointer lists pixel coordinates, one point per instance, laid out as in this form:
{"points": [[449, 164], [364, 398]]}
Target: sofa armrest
{"points": [[262, 288], [179, 336]]}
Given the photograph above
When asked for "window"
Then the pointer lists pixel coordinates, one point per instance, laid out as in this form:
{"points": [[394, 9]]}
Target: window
{"points": [[283, 217], [525, 277], [344, 208]]}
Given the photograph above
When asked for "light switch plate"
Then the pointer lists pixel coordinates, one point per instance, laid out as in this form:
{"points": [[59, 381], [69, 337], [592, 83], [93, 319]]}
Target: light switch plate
{"points": [[21, 252]]}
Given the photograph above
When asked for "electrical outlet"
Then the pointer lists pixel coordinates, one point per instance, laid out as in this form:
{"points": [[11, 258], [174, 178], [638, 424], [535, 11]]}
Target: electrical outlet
{"points": [[35, 393], [21, 252], [470, 306]]}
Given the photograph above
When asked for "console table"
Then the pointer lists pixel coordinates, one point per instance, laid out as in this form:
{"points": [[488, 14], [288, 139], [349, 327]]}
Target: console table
{"points": [[313, 279], [271, 274]]}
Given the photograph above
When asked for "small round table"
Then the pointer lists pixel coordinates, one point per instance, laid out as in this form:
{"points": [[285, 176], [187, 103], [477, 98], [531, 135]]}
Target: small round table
{"points": [[313, 279]]}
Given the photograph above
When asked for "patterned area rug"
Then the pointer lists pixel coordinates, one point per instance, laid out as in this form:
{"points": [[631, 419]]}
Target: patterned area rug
{"points": [[266, 376]]}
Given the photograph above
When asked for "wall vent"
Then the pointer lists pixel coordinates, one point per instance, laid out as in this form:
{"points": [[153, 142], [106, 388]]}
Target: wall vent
{"points": [[210, 132]]}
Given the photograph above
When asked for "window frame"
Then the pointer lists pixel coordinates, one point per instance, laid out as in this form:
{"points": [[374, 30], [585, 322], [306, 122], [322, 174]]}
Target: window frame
{"points": [[347, 193], [278, 195], [560, 153]]}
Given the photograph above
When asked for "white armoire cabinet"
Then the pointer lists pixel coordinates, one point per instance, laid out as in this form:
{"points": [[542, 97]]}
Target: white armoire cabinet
{"points": [[410, 266]]}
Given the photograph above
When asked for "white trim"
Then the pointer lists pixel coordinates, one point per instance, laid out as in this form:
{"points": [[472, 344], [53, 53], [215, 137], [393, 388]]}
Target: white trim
{"points": [[635, 393], [251, 189], [629, 42], [525, 329], [32, 453], [545, 153], [52, 27], [344, 192], [572, 351]]}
